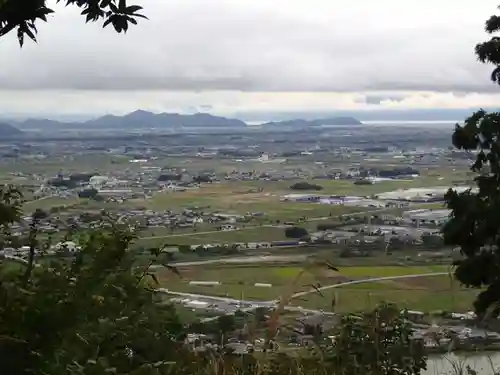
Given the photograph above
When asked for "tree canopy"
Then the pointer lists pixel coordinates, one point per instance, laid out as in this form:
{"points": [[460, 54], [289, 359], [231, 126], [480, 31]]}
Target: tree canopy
{"points": [[23, 15], [95, 312], [474, 225]]}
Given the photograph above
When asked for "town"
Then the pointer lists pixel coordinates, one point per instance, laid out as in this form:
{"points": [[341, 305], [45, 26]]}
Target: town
{"points": [[240, 221]]}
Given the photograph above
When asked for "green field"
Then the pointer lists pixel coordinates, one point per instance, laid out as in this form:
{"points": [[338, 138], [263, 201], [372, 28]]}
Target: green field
{"points": [[244, 197], [425, 294], [239, 197], [228, 197], [48, 203], [261, 234]]}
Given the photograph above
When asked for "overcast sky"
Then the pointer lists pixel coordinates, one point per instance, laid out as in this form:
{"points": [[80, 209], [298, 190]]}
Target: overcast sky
{"points": [[224, 56]]}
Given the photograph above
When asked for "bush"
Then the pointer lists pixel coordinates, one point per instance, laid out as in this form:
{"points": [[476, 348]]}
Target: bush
{"points": [[81, 177], [53, 318], [88, 193], [61, 182], [202, 178], [363, 182], [378, 342], [296, 232], [306, 186]]}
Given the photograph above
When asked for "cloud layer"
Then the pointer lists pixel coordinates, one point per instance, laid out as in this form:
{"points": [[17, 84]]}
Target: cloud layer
{"points": [[47, 103], [211, 47], [272, 45]]}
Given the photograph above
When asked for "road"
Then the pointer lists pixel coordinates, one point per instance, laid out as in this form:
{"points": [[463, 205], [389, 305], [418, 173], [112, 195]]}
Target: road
{"points": [[239, 260], [371, 280]]}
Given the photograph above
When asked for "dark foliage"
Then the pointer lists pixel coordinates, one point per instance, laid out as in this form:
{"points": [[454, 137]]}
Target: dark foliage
{"points": [[379, 343], [363, 182], [62, 182], [95, 314], [296, 232], [88, 193], [474, 223], [489, 51], [306, 186], [202, 178], [81, 177], [23, 15], [396, 172]]}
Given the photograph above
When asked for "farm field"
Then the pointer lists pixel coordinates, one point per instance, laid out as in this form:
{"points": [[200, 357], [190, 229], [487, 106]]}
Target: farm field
{"points": [[232, 198], [425, 294], [229, 197], [49, 202], [238, 197], [251, 234], [244, 197]]}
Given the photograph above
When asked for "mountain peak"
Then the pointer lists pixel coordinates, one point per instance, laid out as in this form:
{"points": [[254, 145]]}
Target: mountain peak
{"points": [[140, 112]]}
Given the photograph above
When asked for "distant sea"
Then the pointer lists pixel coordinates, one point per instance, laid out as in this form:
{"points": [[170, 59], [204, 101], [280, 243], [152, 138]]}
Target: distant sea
{"points": [[408, 123], [439, 123]]}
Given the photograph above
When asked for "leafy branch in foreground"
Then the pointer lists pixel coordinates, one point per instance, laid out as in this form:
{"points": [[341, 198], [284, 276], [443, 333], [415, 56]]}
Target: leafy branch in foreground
{"points": [[474, 225], [489, 51], [94, 313], [23, 15]]}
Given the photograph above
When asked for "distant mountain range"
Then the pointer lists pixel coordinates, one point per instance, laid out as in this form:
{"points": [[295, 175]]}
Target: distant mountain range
{"points": [[147, 120], [139, 120], [7, 130]]}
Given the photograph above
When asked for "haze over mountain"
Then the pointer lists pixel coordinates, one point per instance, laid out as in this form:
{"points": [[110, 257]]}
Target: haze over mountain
{"points": [[431, 114], [139, 119], [7, 130]]}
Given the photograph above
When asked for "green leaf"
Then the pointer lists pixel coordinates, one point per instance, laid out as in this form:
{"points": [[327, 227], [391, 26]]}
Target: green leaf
{"points": [[131, 20], [331, 266], [132, 9], [107, 22], [113, 7], [20, 36], [317, 290], [174, 269], [154, 277]]}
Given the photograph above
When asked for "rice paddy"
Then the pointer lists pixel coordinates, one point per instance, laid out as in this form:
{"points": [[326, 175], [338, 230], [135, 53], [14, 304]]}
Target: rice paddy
{"points": [[422, 293]]}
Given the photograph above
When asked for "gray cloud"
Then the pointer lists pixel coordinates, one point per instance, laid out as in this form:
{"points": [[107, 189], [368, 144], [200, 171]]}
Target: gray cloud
{"points": [[276, 45], [377, 99]]}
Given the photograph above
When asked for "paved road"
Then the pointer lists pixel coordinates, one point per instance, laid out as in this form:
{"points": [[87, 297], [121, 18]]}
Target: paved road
{"points": [[363, 281], [240, 260]]}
